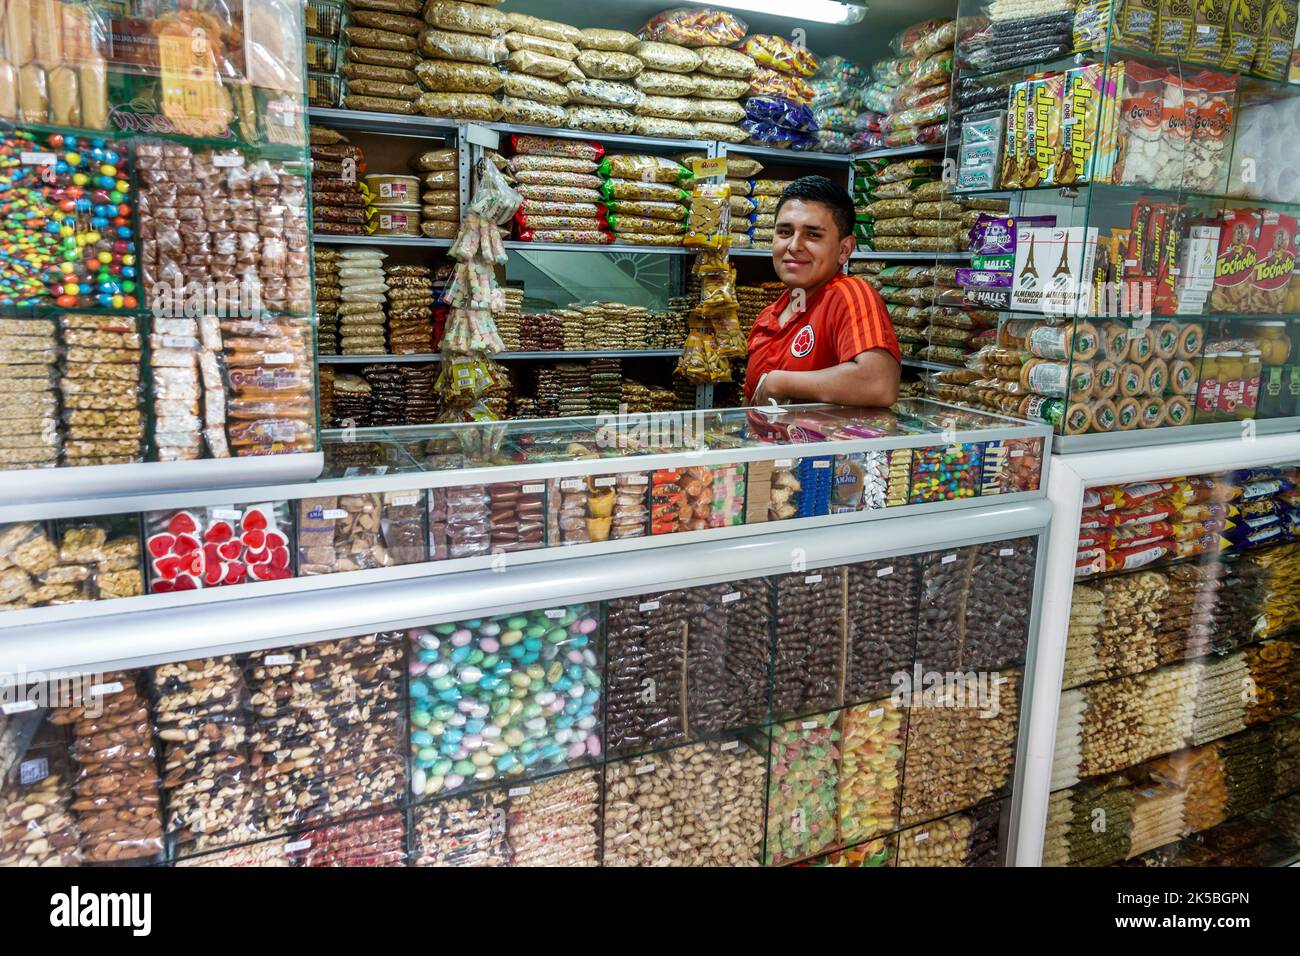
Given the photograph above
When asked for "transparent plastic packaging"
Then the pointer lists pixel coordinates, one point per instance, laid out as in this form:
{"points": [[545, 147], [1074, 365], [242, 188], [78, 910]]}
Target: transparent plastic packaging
{"points": [[553, 647], [645, 646], [218, 546]]}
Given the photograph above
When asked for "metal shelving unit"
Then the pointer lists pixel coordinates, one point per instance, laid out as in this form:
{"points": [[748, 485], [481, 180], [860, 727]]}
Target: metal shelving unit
{"points": [[902, 152], [382, 241], [393, 124]]}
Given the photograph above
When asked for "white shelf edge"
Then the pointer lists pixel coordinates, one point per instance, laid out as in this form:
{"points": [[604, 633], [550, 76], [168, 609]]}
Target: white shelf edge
{"points": [[381, 241], [23, 493], [521, 245]]}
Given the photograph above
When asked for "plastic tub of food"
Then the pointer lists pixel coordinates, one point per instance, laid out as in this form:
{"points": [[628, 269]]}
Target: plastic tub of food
{"points": [[322, 55], [397, 219], [393, 190], [323, 18], [324, 91]]}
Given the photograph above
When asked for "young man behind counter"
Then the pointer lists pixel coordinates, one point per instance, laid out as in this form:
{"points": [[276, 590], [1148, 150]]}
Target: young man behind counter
{"points": [[828, 338]]}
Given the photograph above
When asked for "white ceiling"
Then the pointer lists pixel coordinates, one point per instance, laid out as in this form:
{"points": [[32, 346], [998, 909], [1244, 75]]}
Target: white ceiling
{"points": [[862, 42]]}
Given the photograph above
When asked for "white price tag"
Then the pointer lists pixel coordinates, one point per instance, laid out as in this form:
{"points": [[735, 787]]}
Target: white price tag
{"points": [[519, 791], [649, 606], [278, 358], [101, 690], [645, 768], [1006, 552], [532, 489], [482, 136], [277, 660], [1202, 28], [810, 725], [297, 846], [227, 514], [878, 712], [636, 479], [572, 484], [33, 771], [821, 463], [730, 596], [226, 159], [17, 707], [812, 579], [1018, 453], [922, 837], [885, 572], [606, 481], [38, 159], [554, 613], [783, 463], [333, 514], [730, 745], [948, 559], [405, 500], [179, 342]]}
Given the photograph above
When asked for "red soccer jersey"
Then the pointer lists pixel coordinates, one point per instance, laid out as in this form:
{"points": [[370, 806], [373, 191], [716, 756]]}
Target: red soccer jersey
{"points": [[842, 319]]}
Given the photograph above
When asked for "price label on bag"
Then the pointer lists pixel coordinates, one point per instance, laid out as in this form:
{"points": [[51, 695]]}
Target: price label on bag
{"points": [[709, 168], [645, 768], [821, 463], [333, 514], [38, 159], [405, 500], [783, 463], [810, 725], [1017, 453], [878, 712], [922, 837], [554, 613], [17, 707], [180, 342], [813, 579], [730, 596], [227, 159], [730, 745], [519, 791], [572, 484], [278, 358], [637, 479], [606, 481], [532, 489], [278, 660], [1006, 552], [948, 559], [885, 572], [226, 514], [297, 846], [649, 606], [102, 690], [33, 771]]}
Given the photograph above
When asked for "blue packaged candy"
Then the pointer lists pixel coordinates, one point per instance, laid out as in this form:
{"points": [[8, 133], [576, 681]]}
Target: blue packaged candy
{"points": [[781, 112]]}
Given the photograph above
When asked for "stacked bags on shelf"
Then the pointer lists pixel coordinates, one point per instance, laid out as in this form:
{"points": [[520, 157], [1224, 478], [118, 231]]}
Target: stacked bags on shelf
{"points": [[778, 112], [329, 292], [1129, 526], [362, 323], [834, 91], [382, 54], [918, 106], [560, 189], [904, 206], [340, 203], [1027, 31], [439, 192], [753, 202], [927, 328], [693, 79], [645, 198]]}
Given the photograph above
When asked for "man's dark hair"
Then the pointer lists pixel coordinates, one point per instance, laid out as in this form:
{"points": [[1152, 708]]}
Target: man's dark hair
{"points": [[827, 192]]}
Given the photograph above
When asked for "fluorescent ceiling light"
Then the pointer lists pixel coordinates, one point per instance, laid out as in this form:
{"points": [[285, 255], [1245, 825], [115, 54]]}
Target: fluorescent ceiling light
{"points": [[818, 11]]}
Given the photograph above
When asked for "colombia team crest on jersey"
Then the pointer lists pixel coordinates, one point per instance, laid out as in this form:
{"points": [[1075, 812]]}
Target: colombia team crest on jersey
{"points": [[802, 343]]}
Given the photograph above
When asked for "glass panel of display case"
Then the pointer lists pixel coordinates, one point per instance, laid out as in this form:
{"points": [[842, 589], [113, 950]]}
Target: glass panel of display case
{"points": [[1180, 672]]}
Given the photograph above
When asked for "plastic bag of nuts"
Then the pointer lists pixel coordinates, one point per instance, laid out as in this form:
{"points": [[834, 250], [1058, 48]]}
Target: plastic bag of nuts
{"points": [[646, 648], [698, 805], [728, 645], [809, 642], [462, 831], [555, 821], [116, 786], [36, 807], [882, 614]]}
